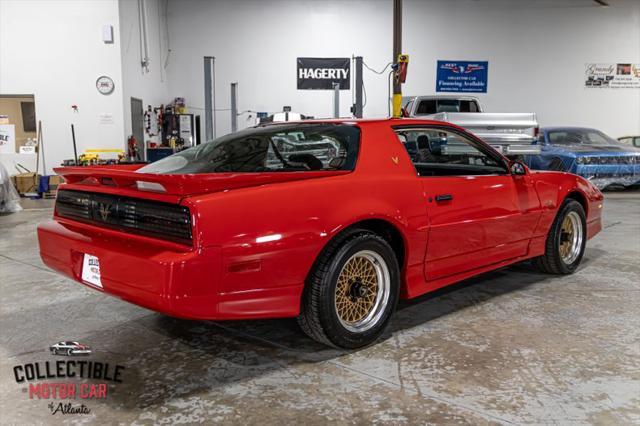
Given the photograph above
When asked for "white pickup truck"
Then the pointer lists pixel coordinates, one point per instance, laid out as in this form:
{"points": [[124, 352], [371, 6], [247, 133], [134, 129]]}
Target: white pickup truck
{"points": [[512, 134]]}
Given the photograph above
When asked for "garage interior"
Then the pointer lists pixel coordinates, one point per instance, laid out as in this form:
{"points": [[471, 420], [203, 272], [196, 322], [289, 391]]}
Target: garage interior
{"points": [[136, 80]]}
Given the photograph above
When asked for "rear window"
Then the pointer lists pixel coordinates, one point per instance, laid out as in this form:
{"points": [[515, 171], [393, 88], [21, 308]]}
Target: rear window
{"points": [[273, 148], [427, 107], [433, 106]]}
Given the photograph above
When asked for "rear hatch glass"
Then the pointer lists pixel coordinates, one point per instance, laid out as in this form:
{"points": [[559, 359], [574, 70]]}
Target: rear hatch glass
{"points": [[272, 148], [434, 106]]}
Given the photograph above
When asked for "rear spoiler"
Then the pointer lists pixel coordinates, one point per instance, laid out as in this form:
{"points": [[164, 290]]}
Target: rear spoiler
{"points": [[126, 177]]}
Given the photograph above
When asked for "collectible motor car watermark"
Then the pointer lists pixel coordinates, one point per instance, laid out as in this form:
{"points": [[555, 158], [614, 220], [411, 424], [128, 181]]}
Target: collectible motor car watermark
{"points": [[63, 381]]}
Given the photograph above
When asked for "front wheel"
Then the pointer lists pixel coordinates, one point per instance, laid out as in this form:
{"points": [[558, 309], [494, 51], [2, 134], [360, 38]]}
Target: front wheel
{"points": [[566, 240], [351, 292]]}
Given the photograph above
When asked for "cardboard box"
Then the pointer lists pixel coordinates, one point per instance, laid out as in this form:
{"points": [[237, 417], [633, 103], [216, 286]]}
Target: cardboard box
{"points": [[25, 182], [55, 180]]}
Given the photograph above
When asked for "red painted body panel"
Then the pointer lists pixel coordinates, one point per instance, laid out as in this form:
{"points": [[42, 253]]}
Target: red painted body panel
{"points": [[257, 236]]}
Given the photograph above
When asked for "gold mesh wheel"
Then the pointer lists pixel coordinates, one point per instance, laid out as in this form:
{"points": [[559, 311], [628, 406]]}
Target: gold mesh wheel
{"points": [[570, 238], [362, 291]]}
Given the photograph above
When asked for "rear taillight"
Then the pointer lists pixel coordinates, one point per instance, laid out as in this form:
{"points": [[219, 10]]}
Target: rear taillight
{"points": [[144, 217]]}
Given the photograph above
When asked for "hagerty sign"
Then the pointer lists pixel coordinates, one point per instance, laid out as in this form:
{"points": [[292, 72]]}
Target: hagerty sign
{"points": [[322, 73]]}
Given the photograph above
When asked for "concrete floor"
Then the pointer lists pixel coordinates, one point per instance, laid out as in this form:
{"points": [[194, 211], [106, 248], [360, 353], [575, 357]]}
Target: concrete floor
{"points": [[513, 346]]}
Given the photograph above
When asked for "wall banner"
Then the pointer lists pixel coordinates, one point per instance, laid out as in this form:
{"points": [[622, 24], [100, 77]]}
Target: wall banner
{"points": [[321, 73], [615, 76], [462, 76]]}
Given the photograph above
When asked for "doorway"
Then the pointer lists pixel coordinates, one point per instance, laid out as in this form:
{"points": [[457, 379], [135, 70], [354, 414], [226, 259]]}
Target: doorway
{"points": [[137, 127]]}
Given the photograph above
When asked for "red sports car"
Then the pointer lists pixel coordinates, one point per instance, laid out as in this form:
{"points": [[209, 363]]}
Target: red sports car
{"points": [[327, 221]]}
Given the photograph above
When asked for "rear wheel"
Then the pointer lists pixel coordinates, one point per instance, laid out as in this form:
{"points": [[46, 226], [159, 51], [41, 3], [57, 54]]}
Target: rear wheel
{"points": [[351, 292], [566, 240]]}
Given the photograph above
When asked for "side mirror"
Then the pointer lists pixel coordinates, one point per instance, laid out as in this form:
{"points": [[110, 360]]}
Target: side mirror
{"points": [[517, 168]]}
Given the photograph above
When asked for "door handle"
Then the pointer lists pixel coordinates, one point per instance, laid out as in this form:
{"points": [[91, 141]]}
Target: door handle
{"points": [[444, 197]]}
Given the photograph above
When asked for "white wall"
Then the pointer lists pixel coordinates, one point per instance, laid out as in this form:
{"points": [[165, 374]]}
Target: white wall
{"points": [[149, 85], [256, 44], [537, 53], [536, 50], [54, 50]]}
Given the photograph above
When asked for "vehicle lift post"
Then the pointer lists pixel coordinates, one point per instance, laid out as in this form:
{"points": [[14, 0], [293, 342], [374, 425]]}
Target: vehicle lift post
{"points": [[397, 51], [75, 150], [234, 107], [358, 106], [336, 100], [209, 98]]}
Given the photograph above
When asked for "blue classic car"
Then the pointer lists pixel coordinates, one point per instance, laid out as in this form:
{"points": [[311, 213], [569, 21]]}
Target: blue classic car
{"points": [[588, 153]]}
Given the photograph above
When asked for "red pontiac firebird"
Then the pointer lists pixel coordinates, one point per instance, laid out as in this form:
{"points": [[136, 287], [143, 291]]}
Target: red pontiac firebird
{"points": [[327, 221]]}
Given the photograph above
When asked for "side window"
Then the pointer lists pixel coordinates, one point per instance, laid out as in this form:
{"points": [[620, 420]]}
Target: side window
{"points": [[541, 138], [469, 106], [439, 152], [293, 149], [465, 106]]}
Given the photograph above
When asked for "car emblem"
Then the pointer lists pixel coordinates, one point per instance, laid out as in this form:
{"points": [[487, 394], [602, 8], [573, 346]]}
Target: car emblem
{"points": [[104, 211], [395, 160]]}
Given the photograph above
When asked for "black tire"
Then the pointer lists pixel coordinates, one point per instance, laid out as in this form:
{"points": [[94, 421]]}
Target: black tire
{"points": [[551, 262], [69, 352], [318, 317], [556, 165], [54, 351]]}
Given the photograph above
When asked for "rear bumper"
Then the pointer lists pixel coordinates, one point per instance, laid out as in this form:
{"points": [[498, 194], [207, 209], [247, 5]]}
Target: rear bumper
{"points": [[184, 284]]}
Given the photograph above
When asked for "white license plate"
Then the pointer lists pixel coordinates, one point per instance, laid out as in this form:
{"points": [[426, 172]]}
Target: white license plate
{"points": [[91, 270]]}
